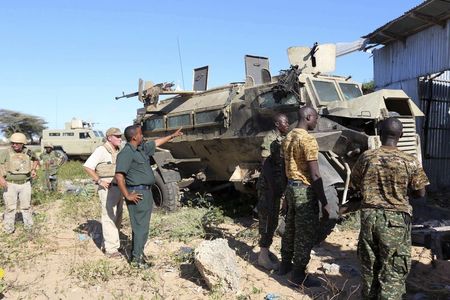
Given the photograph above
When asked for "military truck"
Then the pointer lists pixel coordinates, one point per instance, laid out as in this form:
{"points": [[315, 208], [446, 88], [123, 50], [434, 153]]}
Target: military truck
{"points": [[77, 140], [225, 126]]}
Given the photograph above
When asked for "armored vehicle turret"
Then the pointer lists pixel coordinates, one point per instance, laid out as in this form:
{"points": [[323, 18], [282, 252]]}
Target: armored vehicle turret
{"points": [[225, 126]]}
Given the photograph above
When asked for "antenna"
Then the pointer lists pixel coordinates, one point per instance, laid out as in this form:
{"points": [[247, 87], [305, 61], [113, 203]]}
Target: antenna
{"points": [[181, 62]]}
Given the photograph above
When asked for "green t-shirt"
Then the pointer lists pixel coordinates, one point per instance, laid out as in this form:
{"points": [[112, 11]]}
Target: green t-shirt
{"points": [[134, 163]]}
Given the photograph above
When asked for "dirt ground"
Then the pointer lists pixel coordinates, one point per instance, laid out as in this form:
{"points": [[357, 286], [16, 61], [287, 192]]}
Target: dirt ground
{"points": [[66, 262]]}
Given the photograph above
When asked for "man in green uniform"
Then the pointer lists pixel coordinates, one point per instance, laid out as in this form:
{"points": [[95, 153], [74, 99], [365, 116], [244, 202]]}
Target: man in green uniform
{"points": [[303, 191], [270, 187], [385, 177], [18, 166], [51, 161], [134, 176]]}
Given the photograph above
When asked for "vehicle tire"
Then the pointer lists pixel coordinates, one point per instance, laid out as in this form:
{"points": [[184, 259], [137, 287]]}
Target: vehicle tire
{"points": [[165, 195]]}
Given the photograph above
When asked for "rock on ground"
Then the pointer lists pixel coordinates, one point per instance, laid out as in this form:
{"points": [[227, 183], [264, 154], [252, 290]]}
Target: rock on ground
{"points": [[217, 263]]}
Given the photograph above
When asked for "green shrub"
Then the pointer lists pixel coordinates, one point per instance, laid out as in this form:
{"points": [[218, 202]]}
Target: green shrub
{"points": [[72, 170], [93, 272], [75, 207], [182, 225], [102, 270]]}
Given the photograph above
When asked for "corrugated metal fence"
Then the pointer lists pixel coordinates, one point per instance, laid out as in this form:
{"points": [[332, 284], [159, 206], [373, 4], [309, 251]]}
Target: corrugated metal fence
{"points": [[434, 96], [425, 52]]}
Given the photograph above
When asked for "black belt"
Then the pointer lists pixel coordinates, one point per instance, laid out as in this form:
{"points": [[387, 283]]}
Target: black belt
{"points": [[139, 187], [297, 183], [113, 184]]}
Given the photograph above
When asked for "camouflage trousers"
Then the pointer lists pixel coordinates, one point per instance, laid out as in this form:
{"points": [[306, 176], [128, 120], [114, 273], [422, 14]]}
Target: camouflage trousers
{"points": [[302, 226], [51, 183], [268, 212], [17, 196], [384, 251]]}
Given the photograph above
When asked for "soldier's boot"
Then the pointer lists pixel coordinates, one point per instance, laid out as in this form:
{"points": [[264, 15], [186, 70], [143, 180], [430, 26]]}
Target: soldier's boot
{"points": [[264, 259], [284, 268], [300, 278], [275, 261]]}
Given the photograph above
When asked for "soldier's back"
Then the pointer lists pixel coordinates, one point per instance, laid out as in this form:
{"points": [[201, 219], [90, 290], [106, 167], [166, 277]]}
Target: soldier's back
{"points": [[388, 174]]}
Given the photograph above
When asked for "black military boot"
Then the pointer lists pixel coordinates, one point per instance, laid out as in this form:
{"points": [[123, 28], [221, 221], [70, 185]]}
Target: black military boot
{"points": [[300, 278], [285, 267]]}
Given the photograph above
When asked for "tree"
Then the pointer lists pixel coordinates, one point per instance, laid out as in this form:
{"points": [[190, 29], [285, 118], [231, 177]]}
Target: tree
{"points": [[13, 121], [368, 87]]}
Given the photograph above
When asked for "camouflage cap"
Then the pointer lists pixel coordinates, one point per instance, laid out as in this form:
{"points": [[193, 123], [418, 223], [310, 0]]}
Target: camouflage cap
{"points": [[48, 145], [113, 131]]}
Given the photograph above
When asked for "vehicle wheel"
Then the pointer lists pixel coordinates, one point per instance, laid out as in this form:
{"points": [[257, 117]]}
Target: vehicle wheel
{"points": [[165, 195]]}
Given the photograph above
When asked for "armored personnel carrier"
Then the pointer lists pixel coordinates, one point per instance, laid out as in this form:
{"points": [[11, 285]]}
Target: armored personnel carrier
{"points": [[225, 126], [77, 140]]}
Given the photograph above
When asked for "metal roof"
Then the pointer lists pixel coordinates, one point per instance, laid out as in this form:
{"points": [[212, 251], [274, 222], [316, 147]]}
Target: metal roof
{"points": [[429, 13]]}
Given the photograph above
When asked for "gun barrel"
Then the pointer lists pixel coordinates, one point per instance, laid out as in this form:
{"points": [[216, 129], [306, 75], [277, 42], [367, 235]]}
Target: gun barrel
{"points": [[127, 95]]}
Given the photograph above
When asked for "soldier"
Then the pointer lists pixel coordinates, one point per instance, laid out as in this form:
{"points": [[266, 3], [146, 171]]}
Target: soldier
{"points": [[19, 166], [101, 166], [271, 185], [51, 161], [385, 177], [303, 191], [135, 178]]}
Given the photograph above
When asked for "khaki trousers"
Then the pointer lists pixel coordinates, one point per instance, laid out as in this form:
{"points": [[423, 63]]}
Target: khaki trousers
{"points": [[112, 208], [17, 195]]}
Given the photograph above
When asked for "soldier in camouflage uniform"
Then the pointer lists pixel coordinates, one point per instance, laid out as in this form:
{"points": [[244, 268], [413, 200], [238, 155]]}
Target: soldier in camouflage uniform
{"points": [[18, 166], [51, 161], [270, 187], [385, 177], [304, 190]]}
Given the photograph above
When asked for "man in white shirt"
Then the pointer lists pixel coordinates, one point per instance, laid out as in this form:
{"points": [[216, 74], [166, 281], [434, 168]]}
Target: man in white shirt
{"points": [[101, 166]]}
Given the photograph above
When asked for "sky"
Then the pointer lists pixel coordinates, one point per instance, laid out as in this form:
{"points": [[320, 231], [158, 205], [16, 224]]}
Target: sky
{"points": [[64, 59]]}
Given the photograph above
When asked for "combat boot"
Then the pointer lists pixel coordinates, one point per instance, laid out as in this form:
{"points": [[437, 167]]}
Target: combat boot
{"points": [[275, 262], [264, 259], [300, 278], [284, 268]]}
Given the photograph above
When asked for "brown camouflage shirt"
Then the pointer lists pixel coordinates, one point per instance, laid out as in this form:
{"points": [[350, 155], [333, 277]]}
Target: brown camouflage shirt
{"points": [[299, 147], [385, 176]]}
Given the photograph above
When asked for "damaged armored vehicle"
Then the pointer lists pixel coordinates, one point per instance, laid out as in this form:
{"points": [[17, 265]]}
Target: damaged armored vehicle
{"points": [[224, 126]]}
